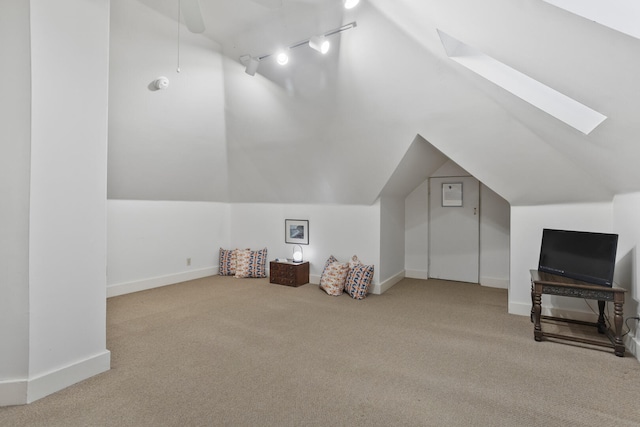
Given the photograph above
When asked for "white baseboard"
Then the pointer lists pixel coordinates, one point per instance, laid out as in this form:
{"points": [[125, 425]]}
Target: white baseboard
{"points": [[13, 392], [633, 344], [383, 287], [520, 309], [156, 282], [416, 274], [493, 282], [20, 392]]}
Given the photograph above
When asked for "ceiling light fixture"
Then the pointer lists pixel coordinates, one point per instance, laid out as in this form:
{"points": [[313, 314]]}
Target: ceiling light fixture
{"points": [[350, 4], [282, 58], [318, 43]]}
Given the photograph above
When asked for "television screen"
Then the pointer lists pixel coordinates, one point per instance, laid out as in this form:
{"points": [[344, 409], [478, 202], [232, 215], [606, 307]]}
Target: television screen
{"points": [[580, 255]]}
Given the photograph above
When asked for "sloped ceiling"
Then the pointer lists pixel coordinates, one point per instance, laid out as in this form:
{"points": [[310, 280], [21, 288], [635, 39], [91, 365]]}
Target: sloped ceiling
{"points": [[336, 129]]}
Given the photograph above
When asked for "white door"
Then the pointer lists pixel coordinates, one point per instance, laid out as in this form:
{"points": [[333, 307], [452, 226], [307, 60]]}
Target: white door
{"points": [[454, 229]]}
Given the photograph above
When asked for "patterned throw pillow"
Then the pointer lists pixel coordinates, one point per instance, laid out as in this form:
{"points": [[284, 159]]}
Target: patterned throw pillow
{"points": [[333, 278], [329, 261], [359, 280], [354, 261], [228, 259], [251, 263]]}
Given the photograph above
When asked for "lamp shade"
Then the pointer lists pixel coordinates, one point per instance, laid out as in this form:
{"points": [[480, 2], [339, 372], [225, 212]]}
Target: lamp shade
{"points": [[297, 253]]}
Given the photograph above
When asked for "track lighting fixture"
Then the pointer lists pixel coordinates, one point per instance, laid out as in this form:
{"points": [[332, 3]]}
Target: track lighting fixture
{"points": [[319, 43]]}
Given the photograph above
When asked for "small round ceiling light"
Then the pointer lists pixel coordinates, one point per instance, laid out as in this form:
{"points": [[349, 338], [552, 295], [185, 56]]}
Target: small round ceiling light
{"points": [[320, 43], [282, 58], [350, 4]]}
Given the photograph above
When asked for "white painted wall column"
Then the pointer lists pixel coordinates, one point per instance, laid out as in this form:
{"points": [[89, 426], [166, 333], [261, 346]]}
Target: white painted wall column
{"points": [[65, 332], [15, 137], [392, 241]]}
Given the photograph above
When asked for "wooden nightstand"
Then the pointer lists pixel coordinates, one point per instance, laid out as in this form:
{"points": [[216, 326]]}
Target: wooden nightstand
{"points": [[289, 273]]}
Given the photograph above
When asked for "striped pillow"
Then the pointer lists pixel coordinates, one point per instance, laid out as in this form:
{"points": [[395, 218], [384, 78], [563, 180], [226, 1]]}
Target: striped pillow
{"points": [[251, 263], [228, 259], [358, 281], [352, 263]]}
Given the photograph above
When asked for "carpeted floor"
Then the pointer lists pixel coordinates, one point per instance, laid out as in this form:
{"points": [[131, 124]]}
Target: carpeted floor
{"points": [[242, 352]]}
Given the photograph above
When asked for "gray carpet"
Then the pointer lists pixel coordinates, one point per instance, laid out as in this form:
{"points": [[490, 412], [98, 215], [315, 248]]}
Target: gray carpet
{"points": [[242, 352]]}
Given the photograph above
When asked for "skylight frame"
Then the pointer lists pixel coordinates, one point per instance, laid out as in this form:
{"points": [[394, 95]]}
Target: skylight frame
{"points": [[547, 99], [620, 15]]}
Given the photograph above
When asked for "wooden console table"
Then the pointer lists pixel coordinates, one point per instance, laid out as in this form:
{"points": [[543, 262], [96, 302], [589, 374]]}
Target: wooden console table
{"points": [[545, 283], [289, 273]]}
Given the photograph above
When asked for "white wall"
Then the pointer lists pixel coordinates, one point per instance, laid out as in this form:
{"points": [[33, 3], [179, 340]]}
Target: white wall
{"points": [[392, 241], [338, 230], [527, 223], [417, 232], [625, 223], [149, 242], [494, 239], [156, 136], [15, 104]]}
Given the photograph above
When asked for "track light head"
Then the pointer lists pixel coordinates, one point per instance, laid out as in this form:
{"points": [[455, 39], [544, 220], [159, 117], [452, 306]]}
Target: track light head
{"points": [[320, 43], [350, 4], [252, 66]]}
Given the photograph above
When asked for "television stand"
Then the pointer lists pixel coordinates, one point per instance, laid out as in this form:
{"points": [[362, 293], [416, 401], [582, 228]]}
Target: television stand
{"points": [[551, 284]]}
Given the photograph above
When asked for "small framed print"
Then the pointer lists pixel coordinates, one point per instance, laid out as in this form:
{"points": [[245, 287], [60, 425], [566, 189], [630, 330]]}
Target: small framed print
{"points": [[296, 231], [451, 194]]}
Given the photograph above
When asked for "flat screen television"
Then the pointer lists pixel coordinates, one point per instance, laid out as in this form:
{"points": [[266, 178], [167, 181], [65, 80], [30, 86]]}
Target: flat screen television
{"points": [[589, 257]]}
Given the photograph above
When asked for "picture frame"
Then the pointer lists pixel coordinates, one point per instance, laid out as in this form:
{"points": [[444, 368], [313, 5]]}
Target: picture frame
{"points": [[451, 194], [296, 231]]}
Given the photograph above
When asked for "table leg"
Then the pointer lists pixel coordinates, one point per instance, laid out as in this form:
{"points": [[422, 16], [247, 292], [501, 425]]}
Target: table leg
{"points": [[531, 315], [537, 310], [617, 321], [602, 326]]}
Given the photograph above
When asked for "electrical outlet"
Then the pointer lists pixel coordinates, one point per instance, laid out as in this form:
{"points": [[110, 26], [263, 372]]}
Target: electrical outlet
{"points": [[188, 261]]}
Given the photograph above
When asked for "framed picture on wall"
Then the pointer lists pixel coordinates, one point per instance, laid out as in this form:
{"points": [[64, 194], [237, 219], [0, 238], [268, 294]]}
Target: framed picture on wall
{"points": [[452, 194], [296, 231]]}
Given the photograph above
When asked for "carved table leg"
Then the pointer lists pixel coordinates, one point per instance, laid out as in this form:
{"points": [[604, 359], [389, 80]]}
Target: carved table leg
{"points": [[531, 315], [617, 321], [537, 309], [602, 326]]}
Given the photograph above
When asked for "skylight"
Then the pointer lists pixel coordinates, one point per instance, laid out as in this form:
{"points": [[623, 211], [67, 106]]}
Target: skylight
{"points": [[620, 15], [535, 93]]}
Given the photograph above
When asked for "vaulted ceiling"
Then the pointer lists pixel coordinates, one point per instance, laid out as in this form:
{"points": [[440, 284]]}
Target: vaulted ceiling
{"points": [[342, 128]]}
